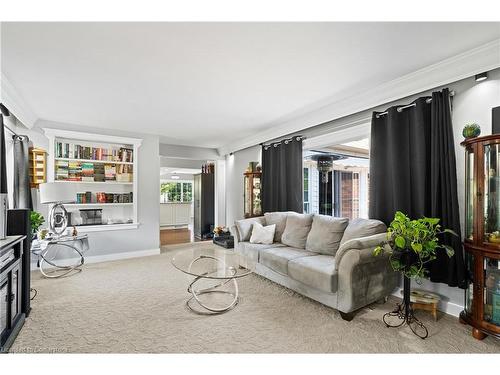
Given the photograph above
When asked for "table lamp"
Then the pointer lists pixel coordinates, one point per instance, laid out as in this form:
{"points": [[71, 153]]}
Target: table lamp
{"points": [[56, 194]]}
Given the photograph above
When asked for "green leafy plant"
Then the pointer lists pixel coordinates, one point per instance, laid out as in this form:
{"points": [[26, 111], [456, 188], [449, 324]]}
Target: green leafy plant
{"points": [[419, 237], [36, 220]]}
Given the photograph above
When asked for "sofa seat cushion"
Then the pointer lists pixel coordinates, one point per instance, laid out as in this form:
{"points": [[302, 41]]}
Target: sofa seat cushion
{"points": [[359, 227], [296, 230], [252, 250], [326, 233], [277, 258], [316, 271]]}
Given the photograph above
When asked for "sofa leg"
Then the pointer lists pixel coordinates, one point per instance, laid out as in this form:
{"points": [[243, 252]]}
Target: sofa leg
{"points": [[347, 316]]}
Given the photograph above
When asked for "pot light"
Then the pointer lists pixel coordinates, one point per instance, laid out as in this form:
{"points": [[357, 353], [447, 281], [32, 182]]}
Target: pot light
{"points": [[481, 76]]}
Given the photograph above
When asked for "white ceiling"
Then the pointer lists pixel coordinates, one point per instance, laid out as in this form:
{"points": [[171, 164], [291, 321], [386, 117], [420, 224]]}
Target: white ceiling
{"points": [[210, 84]]}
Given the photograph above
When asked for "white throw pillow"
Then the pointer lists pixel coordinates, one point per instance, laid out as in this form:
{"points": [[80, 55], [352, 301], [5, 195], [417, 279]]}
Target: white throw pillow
{"points": [[261, 234]]}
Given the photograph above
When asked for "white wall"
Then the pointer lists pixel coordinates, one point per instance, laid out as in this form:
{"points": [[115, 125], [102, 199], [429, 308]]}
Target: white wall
{"points": [[236, 165], [146, 236]]}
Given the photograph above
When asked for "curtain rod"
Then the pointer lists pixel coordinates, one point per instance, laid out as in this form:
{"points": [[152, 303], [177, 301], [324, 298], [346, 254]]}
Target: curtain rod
{"points": [[285, 140], [5, 113], [400, 109]]}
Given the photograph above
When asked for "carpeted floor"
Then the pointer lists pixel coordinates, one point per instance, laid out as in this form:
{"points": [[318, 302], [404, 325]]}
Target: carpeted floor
{"points": [[138, 305]]}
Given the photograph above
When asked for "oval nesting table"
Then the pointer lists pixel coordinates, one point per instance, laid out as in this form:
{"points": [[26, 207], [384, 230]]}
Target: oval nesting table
{"points": [[221, 265]]}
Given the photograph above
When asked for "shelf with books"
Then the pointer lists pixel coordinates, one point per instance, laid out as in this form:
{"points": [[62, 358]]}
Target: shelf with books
{"points": [[91, 205], [94, 164], [94, 182], [96, 161]]}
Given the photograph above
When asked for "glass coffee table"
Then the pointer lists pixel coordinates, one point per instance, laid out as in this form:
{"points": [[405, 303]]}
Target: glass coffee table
{"points": [[208, 265]]}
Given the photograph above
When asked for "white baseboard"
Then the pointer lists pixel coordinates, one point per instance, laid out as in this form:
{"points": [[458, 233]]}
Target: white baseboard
{"points": [[447, 307], [106, 257]]}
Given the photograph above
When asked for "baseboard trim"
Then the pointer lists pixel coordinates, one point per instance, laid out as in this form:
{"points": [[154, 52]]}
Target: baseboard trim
{"points": [[107, 257], [447, 307]]}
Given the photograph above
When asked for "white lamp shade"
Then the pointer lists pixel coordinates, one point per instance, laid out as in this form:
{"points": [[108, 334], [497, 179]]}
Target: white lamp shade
{"points": [[53, 192]]}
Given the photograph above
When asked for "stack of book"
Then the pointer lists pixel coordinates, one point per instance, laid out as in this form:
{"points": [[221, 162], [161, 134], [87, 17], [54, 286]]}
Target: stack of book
{"points": [[84, 197], [99, 174], [62, 170], [74, 171], [109, 172], [87, 172], [126, 154]]}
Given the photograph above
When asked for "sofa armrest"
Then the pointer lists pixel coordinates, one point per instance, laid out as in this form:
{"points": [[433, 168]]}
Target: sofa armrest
{"points": [[362, 277], [358, 244], [236, 235]]}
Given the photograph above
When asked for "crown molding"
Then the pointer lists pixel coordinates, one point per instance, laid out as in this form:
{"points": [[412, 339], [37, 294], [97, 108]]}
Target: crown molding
{"points": [[16, 104], [480, 59]]}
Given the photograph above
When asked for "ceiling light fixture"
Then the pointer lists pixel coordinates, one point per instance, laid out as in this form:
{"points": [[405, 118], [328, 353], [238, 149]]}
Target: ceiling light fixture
{"points": [[481, 76], [175, 177]]}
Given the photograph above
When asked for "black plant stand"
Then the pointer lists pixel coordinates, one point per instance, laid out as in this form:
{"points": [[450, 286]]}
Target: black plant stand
{"points": [[404, 311]]}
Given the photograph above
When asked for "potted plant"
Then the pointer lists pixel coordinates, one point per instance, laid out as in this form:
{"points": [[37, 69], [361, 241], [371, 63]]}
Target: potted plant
{"points": [[471, 130], [411, 245], [36, 220]]}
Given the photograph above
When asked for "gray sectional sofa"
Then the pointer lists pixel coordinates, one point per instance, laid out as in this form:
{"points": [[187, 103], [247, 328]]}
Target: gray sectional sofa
{"points": [[324, 258]]}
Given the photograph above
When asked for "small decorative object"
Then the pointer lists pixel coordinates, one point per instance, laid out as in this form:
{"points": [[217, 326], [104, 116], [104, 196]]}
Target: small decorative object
{"points": [[75, 232], [42, 234], [221, 231], [36, 220], [411, 244], [494, 237], [471, 130]]}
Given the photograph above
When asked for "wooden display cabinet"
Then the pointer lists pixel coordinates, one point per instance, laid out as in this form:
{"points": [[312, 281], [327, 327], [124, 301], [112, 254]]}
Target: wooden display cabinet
{"points": [[482, 235], [38, 166], [252, 186]]}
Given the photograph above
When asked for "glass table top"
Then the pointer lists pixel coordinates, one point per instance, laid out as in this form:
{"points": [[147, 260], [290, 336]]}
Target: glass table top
{"points": [[213, 263]]}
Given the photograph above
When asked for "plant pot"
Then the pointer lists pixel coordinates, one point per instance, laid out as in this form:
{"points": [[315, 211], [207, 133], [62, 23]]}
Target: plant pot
{"points": [[405, 256], [471, 131]]}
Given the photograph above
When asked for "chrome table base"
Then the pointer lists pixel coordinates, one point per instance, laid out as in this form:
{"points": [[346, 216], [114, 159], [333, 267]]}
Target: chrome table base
{"points": [[196, 293], [49, 264]]}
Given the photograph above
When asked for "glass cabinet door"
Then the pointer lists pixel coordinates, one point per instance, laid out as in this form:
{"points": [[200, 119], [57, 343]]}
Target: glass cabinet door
{"points": [[248, 196], [469, 194], [469, 292], [256, 196], [492, 291], [491, 193]]}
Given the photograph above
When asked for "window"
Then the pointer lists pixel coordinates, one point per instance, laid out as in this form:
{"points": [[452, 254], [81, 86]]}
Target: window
{"points": [[176, 192], [345, 192], [306, 191]]}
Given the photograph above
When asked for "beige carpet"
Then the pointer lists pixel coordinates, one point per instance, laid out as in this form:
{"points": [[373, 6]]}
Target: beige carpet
{"points": [[137, 305]]}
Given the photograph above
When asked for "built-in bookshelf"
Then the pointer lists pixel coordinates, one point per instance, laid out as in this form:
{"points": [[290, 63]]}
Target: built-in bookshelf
{"points": [[100, 171]]}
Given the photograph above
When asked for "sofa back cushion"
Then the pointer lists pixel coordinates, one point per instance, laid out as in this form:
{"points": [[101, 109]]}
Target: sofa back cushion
{"points": [[279, 219], [296, 230], [262, 234], [245, 226], [326, 233], [358, 228]]}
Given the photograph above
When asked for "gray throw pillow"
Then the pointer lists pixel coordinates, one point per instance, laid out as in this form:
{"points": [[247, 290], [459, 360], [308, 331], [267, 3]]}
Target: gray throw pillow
{"points": [[245, 227], [326, 233], [279, 219], [296, 230], [358, 228]]}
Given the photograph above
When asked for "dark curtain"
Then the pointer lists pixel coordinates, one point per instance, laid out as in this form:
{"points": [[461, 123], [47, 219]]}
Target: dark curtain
{"points": [[22, 191], [282, 176], [413, 170], [3, 165]]}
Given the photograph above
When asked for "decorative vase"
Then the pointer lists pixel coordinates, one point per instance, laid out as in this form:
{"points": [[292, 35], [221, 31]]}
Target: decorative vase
{"points": [[471, 131]]}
